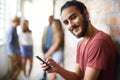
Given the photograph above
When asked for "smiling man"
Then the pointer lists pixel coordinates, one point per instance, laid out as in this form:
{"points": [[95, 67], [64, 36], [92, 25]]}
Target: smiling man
{"points": [[95, 59]]}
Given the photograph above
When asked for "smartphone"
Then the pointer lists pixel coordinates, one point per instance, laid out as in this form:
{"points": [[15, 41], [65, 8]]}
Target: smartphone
{"points": [[43, 61]]}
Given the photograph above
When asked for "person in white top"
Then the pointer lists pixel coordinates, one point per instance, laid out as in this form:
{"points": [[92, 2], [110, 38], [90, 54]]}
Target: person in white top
{"points": [[26, 48]]}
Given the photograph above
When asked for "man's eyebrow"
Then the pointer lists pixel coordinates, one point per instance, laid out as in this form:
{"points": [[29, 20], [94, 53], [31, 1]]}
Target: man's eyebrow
{"points": [[71, 15]]}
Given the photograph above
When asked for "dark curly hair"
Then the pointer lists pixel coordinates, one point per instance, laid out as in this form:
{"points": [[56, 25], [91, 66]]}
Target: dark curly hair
{"points": [[79, 5]]}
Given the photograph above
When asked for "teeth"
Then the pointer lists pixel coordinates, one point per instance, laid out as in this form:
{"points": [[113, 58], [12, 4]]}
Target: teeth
{"points": [[75, 26]]}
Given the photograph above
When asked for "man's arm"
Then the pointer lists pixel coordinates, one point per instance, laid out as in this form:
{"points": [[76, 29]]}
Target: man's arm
{"points": [[67, 75], [91, 73], [43, 39]]}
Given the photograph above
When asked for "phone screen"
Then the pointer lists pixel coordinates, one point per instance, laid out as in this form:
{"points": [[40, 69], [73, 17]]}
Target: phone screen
{"points": [[43, 61]]}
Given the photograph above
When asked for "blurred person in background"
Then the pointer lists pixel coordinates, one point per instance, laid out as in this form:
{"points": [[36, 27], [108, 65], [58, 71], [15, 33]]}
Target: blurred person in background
{"points": [[26, 43], [13, 48], [95, 59], [47, 40], [57, 49]]}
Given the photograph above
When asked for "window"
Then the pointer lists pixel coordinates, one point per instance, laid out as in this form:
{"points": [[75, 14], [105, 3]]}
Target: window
{"points": [[2, 21]]}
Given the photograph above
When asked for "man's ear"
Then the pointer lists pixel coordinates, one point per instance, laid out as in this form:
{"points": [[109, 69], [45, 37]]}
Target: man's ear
{"points": [[86, 14]]}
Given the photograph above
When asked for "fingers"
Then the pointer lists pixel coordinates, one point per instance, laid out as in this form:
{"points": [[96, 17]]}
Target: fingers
{"points": [[45, 66], [50, 65]]}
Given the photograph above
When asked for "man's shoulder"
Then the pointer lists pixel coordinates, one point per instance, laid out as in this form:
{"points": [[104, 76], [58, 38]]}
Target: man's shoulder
{"points": [[101, 38], [100, 35], [46, 27], [9, 30]]}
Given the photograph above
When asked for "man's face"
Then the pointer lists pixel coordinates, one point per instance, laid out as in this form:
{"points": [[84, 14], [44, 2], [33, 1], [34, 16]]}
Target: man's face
{"points": [[18, 22], [76, 22]]}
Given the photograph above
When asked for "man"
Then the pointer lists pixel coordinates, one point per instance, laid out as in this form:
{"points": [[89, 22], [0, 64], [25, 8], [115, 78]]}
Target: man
{"points": [[95, 58], [47, 39], [13, 48]]}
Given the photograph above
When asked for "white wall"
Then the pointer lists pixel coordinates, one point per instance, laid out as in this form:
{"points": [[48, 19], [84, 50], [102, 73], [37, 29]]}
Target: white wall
{"points": [[4, 64]]}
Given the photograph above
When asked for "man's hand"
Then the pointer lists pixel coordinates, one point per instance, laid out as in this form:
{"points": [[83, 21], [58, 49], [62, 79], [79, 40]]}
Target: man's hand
{"points": [[54, 66]]}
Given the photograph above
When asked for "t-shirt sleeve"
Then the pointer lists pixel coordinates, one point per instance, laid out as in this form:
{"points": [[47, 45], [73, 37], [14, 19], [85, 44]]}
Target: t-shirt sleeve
{"points": [[98, 55]]}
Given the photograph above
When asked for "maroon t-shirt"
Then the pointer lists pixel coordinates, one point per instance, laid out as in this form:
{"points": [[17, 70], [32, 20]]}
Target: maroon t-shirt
{"points": [[98, 53]]}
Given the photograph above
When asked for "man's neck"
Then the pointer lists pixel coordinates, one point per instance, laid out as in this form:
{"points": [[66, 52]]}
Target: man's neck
{"points": [[90, 32]]}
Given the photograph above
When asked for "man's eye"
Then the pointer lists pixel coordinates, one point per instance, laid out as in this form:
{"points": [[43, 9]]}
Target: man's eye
{"points": [[65, 22]]}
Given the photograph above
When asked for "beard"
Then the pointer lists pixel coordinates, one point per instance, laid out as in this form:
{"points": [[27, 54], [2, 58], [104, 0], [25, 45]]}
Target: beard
{"points": [[84, 27]]}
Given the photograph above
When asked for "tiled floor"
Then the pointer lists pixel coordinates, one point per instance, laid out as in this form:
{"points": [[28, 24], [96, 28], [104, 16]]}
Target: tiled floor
{"points": [[36, 73]]}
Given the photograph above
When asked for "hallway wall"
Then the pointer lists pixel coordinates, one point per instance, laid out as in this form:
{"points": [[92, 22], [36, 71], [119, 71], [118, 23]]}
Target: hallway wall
{"points": [[4, 63]]}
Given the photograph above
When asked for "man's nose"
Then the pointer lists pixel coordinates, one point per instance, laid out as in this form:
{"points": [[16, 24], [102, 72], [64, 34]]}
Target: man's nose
{"points": [[70, 26]]}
